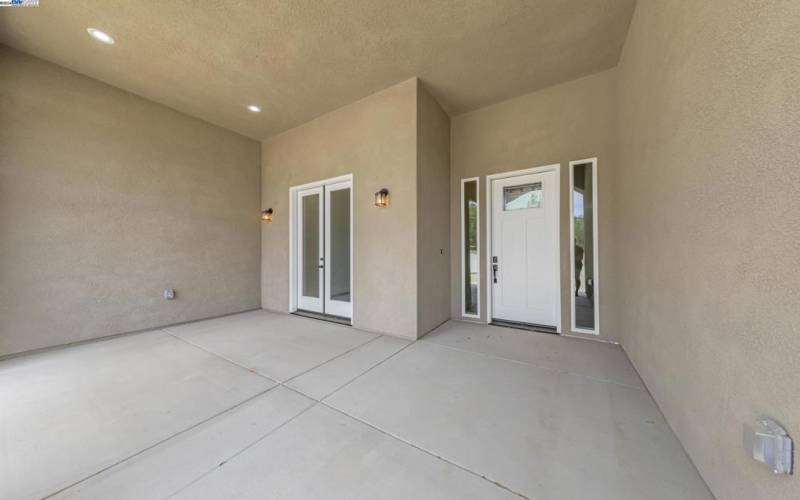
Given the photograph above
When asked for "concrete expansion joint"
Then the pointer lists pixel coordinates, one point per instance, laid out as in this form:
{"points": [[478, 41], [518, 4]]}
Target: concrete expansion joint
{"points": [[427, 452], [315, 402]]}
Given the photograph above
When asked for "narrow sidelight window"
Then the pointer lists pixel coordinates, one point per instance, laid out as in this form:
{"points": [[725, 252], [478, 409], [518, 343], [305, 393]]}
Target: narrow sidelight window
{"points": [[583, 232], [470, 251]]}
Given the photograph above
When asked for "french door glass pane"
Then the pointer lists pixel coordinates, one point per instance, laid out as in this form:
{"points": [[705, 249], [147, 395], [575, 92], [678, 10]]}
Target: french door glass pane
{"points": [[340, 244], [311, 255], [582, 218], [470, 255]]}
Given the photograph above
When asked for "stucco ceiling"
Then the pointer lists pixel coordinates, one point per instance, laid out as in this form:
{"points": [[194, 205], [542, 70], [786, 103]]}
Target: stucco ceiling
{"points": [[298, 59]]}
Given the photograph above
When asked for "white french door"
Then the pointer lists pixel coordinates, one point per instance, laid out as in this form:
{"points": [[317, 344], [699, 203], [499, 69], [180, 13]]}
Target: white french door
{"points": [[338, 249], [524, 266], [310, 250], [323, 260]]}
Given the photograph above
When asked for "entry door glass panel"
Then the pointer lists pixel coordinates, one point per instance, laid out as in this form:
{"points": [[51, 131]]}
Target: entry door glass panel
{"points": [[340, 244], [311, 256], [525, 284], [522, 197]]}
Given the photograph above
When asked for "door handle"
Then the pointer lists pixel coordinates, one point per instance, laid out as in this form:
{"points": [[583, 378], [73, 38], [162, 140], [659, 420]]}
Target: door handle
{"points": [[494, 273]]}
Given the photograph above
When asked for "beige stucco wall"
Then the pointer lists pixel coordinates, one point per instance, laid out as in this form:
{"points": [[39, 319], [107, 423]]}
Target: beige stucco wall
{"points": [[375, 139], [105, 200], [433, 213], [708, 225], [571, 121]]}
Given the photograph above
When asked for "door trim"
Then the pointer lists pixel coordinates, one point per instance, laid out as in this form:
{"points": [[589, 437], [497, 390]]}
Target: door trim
{"points": [[596, 257], [293, 234], [556, 167]]}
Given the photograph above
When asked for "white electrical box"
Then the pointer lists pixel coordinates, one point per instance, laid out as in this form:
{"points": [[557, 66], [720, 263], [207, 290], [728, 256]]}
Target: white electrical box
{"points": [[169, 293], [771, 445]]}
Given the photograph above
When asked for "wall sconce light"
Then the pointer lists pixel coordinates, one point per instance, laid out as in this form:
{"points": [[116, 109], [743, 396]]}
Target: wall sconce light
{"points": [[382, 198], [266, 215]]}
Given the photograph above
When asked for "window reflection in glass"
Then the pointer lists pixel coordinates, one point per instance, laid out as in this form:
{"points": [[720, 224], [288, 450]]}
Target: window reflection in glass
{"points": [[470, 250], [522, 197], [311, 255], [340, 244], [582, 219]]}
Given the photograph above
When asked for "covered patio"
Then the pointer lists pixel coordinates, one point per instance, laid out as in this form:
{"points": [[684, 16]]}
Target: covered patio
{"points": [[266, 405]]}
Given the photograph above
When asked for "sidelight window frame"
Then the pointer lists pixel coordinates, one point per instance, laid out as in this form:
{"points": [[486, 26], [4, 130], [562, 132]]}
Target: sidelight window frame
{"points": [[595, 243], [462, 223]]}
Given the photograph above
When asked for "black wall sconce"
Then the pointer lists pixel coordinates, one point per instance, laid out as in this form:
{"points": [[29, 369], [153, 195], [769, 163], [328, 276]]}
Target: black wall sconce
{"points": [[382, 198], [266, 215]]}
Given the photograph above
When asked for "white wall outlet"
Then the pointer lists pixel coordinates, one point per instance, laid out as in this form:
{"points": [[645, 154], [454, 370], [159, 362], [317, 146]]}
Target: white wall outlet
{"points": [[771, 445], [169, 293]]}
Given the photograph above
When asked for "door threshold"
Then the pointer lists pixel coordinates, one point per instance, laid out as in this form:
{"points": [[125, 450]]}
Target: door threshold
{"points": [[341, 320], [524, 326]]}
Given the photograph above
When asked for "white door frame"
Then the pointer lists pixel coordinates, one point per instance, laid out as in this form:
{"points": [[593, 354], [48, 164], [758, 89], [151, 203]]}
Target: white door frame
{"points": [[293, 234], [596, 258], [556, 167]]}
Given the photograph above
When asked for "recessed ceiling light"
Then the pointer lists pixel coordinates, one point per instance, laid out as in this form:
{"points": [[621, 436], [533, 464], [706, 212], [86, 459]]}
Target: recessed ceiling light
{"points": [[100, 36], [254, 109]]}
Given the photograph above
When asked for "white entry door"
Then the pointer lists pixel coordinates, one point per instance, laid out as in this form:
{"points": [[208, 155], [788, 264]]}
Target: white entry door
{"points": [[324, 249], [524, 266]]}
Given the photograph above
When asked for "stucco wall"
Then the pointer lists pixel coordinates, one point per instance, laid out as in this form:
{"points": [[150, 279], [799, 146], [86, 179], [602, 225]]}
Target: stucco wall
{"points": [[433, 213], [708, 224], [571, 121], [105, 200], [375, 139]]}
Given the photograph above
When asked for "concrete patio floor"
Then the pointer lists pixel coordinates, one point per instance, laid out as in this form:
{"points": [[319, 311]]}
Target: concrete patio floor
{"points": [[265, 405]]}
